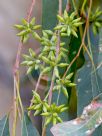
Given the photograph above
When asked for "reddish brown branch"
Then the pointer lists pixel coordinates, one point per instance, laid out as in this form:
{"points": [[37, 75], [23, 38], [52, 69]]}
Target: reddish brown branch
{"points": [[83, 40], [30, 10], [16, 72]]}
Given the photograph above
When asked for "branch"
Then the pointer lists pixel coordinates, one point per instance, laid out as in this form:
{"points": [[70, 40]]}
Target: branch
{"points": [[16, 75], [36, 89], [57, 52], [83, 40], [30, 10]]}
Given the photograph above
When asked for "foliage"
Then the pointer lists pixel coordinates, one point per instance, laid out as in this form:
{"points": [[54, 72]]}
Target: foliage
{"points": [[65, 46], [49, 61], [68, 24], [84, 125], [27, 29]]}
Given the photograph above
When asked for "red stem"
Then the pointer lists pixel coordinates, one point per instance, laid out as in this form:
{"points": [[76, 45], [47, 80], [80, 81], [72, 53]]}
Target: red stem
{"points": [[29, 14], [30, 10]]}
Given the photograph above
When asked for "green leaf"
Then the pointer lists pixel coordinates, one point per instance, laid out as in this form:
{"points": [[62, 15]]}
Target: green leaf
{"points": [[27, 127], [85, 125], [89, 78], [4, 126]]}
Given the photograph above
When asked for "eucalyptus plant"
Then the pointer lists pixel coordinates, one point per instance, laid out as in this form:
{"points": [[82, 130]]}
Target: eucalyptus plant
{"points": [[47, 62], [51, 58], [65, 43]]}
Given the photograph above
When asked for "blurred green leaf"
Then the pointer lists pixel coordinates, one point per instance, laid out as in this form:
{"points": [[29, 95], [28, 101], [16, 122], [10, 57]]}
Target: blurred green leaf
{"points": [[89, 79], [27, 127], [84, 125], [4, 126]]}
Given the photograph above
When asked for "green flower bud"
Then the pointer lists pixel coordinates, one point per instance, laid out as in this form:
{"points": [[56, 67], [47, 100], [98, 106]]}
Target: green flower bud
{"points": [[63, 65], [37, 112], [36, 27], [69, 76], [64, 90], [32, 53], [60, 18], [48, 120]]}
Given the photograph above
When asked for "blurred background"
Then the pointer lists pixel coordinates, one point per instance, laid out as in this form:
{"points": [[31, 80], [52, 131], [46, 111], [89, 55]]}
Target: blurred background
{"points": [[11, 12]]}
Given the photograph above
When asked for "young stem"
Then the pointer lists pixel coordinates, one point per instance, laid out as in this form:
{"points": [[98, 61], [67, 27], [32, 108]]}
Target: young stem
{"points": [[44, 131], [57, 52], [15, 110], [30, 10], [53, 76], [51, 88], [36, 89]]}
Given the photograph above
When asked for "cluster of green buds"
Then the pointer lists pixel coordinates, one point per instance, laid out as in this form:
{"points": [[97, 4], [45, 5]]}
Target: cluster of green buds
{"points": [[31, 61], [49, 42], [38, 106], [96, 20], [28, 28], [63, 83], [47, 55], [47, 61], [68, 24], [50, 112]]}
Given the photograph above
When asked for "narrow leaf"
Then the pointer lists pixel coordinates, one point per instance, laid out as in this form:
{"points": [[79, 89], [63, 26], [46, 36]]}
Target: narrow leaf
{"points": [[4, 126], [27, 127]]}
